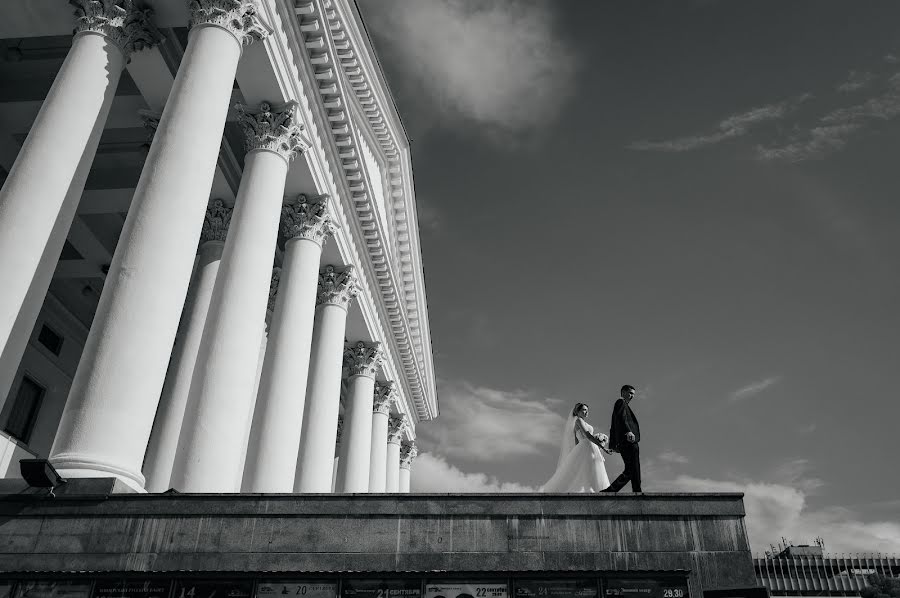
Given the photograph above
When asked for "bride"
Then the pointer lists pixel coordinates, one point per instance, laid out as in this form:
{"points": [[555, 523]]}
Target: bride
{"points": [[581, 464]]}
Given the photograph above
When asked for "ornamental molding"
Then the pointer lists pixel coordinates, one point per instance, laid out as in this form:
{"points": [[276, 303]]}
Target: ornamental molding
{"points": [[396, 426], [307, 218], [408, 453], [124, 23], [384, 397], [337, 286], [216, 222], [330, 45], [364, 359], [273, 128], [273, 289], [238, 17]]}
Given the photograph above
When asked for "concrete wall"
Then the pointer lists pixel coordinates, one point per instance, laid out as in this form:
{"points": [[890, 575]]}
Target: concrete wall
{"points": [[87, 528]]}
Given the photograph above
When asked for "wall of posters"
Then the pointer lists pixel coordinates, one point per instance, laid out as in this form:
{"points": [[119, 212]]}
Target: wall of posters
{"points": [[208, 588], [466, 589], [381, 588], [303, 589], [663, 587], [53, 589], [556, 588], [120, 588]]}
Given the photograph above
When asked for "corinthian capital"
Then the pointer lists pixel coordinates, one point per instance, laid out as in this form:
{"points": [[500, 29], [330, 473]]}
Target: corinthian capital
{"points": [[384, 397], [126, 25], [408, 453], [396, 426], [273, 288], [272, 128], [238, 17], [337, 286], [307, 218], [364, 359], [215, 224]]}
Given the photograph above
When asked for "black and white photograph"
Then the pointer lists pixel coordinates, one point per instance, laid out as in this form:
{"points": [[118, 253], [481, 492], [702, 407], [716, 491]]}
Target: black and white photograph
{"points": [[449, 298]]}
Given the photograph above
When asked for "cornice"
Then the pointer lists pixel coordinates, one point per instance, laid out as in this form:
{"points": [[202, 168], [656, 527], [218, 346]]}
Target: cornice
{"points": [[331, 38]]}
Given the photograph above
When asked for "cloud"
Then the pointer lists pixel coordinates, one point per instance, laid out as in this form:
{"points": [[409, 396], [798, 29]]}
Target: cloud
{"points": [[753, 389], [495, 62], [855, 81], [432, 473], [489, 425], [731, 127], [673, 457], [776, 510], [817, 143]]}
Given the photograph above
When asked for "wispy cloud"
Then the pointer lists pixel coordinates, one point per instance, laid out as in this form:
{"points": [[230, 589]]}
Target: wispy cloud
{"points": [[856, 80], [815, 143], [673, 457], [434, 474], [731, 127], [496, 62], [776, 510], [753, 389], [480, 424]]}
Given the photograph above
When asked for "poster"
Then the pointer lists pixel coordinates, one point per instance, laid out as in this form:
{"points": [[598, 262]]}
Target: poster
{"points": [[142, 588], [381, 588], [287, 589], [556, 588], [466, 589], [671, 587], [204, 588], [53, 589]]}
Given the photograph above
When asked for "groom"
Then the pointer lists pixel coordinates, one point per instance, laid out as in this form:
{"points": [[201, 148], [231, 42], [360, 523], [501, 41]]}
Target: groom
{"points": [[624, 436]]}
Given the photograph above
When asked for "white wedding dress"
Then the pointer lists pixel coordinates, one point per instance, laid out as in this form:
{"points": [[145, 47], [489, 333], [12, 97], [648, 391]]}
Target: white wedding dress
{"points": [[581, 466]]}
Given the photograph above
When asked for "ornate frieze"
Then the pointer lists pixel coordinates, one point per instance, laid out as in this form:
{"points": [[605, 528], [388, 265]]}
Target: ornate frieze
{"points": [[307, 218], [337, 286], [216, 221], [122, 21], [396, 427], [238, 17], [384, 397], [364, 359], [273, 288], [408, 453], [272, 128]]}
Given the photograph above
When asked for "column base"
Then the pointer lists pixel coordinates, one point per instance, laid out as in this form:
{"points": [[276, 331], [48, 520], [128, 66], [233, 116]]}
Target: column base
{"points": [[78, 466]]}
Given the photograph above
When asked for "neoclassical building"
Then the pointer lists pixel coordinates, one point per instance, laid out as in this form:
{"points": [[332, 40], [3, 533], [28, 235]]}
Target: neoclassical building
{"points": [[209, 252]]}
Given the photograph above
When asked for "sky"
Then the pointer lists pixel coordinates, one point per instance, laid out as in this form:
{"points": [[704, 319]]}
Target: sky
{"points": [[698, 198]]}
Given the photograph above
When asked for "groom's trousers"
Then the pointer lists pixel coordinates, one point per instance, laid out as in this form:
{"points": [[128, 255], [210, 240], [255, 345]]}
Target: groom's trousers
{"points": [[632, 457]]}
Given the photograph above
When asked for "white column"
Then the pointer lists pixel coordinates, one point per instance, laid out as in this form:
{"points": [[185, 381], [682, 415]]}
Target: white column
{"points": [[209, 451], [108, 416], [337, 451], [48, 176], [396, 427], [173, 401], [278, 418], [337, 288], [245, 433], [385, 396], [408, 453], [363, 360]]}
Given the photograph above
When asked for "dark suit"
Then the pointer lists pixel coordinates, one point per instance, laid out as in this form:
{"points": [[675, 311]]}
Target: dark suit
{"points": [[624, 421]]}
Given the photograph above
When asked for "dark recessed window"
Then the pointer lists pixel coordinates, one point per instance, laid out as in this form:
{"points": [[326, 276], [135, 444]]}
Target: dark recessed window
{"points": [[25, 409], [50, 339]]}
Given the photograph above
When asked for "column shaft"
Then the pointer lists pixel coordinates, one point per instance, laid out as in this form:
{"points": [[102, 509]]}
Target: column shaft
{"points": [[210, 444], [392, 467], [323, 390], [404, 479], [245, 434], [378, 452], [173, 402], [278, 419], [111, 406], [64, 134], [356, 443]]}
